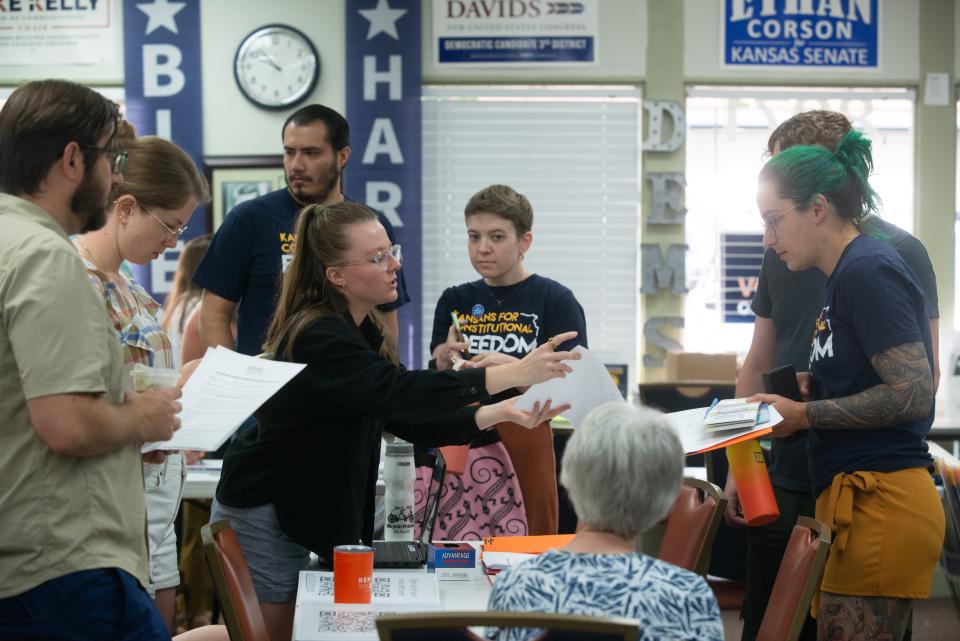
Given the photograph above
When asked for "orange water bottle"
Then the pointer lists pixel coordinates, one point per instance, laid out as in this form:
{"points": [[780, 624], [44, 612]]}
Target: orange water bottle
{"points": [[749, 472]]}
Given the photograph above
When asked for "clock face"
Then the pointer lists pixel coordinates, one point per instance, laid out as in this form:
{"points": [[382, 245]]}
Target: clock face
{"points": [[276, 67]]}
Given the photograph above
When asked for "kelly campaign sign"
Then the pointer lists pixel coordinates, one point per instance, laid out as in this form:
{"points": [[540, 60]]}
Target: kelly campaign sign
{"points": [[511, 32], [57, 32], [801, 33], [383, 108], [164, 97]]}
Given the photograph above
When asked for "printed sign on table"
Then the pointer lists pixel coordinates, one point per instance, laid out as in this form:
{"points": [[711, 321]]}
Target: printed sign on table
{"points": [[512, 32], [61, 32], [801, 33]]}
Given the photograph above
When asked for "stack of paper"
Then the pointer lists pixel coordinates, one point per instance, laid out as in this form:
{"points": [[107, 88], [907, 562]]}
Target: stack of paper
{"points": [[696, 439], [223, 392], [500, 552], [318, 618], [731, 413], [494, 562]]}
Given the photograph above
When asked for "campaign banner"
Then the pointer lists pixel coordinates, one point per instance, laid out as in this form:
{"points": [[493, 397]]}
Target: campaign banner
{"points": [[819, 34], [57, 32], [383, 108], [164, 97], [741, 257], [512, 32]]}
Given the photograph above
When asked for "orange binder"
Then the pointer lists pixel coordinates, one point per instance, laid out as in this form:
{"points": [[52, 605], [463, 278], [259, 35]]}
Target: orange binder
{"points": [[526, 544]]}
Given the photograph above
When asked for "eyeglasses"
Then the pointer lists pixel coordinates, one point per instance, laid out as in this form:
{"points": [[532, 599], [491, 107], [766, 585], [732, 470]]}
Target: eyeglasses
{"points": [[770, 224], [174, 232], [118, 157], [380, 258]]}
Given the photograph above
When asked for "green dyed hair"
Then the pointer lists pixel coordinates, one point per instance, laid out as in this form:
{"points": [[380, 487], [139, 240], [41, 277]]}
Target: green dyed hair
{"points": [[840, 176]]}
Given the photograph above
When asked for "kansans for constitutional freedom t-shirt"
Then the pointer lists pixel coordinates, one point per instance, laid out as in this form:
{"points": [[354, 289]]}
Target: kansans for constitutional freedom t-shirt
{"points": [[873, 302], [247, 258], [512, 320], [792, 300]]}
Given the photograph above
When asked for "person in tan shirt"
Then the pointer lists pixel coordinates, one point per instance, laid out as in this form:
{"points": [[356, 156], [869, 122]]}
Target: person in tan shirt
{"points": [[72, 534]]}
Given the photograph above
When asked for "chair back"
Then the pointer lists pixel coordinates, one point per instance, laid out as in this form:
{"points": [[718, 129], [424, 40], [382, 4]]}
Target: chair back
{"points": [[231, 578], [798, 578], [691, 525], [452, 626]]}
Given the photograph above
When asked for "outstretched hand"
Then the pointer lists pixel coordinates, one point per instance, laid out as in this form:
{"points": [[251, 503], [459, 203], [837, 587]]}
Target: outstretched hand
{"points": [[545, 363], [506, 411]]}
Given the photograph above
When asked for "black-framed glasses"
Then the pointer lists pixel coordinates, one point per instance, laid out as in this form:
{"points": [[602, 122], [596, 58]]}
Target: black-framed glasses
{"points": [[175, 232], [380, 259], [118, 157]]}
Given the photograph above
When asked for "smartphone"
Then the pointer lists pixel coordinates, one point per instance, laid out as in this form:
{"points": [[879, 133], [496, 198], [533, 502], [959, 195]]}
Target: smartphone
{"points": [[783, 382], [459, 332]]}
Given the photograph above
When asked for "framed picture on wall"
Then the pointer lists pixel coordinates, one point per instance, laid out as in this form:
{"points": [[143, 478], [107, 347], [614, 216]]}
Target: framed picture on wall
{"points": [[236, 179]]}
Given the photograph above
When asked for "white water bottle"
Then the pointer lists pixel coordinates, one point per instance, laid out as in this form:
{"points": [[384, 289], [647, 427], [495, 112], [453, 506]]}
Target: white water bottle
{"points": [[398, 477]]}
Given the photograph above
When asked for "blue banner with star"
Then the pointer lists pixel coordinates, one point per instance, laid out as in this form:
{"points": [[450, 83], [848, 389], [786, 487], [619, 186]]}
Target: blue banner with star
{"points": [[383, 107], [164, 97]]}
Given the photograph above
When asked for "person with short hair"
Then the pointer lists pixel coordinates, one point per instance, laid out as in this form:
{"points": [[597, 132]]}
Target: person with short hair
{"points": [[786, 305], [870, 394], [622, 470], [304, 480], [241, 272], [73, 553], [504, 316]]}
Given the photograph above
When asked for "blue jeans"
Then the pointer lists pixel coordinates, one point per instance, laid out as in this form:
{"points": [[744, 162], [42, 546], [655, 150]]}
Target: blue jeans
{"points": [[92, 605]]}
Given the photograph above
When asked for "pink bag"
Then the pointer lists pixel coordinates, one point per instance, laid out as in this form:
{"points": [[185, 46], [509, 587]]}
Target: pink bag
{"points": [[483, 501]]}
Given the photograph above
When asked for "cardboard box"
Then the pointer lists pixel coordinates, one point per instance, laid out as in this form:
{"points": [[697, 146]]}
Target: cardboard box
{"points": [[452, 561], [692, 366]]}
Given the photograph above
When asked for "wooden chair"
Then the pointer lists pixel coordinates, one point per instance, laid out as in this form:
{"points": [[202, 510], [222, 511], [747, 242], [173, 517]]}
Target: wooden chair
{"points": [[691, 525], [231, 579], [799, 575], [453, 626]]}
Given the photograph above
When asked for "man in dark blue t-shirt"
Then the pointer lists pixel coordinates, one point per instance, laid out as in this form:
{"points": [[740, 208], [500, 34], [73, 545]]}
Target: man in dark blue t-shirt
{"points": [[254, 245]]}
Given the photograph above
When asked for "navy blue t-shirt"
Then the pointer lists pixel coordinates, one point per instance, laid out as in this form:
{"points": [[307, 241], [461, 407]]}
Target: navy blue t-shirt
{"points": [[511, 320], [248, 255], [873, 302]]}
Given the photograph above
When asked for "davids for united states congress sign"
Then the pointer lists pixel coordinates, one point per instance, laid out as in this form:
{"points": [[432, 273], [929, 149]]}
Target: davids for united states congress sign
{"points": [[801, 33], [511, 32]]}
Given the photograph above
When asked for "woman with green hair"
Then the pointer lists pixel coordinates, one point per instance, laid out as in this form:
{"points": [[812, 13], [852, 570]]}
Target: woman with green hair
{"points": [[871, 388]]}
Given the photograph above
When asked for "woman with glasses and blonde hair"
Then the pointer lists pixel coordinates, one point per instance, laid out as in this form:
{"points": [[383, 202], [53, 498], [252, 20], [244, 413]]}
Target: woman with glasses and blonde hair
{"points": [[161, 187], [305, 478]]}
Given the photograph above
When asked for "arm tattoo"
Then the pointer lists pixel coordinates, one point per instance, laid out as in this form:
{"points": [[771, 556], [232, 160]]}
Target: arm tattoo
{"points": [[906, 393]]}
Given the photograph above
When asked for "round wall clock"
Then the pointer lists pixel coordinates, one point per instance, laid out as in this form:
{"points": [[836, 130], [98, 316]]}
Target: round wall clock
{"points": [[276, 66]]}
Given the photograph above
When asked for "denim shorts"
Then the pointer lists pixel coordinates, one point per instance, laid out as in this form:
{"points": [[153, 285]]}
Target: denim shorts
{"points": [[275, 561], [90, 605], [163, 489]]}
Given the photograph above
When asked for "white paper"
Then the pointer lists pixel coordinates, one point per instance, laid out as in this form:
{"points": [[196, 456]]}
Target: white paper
{"points": [[342, 622], [388, 588], [694, 437], [936, 90], [588, 386], [223, 392], [502, 560]]}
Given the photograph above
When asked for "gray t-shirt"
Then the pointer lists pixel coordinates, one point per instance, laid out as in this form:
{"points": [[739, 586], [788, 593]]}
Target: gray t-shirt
{"points": [[793, 300]]}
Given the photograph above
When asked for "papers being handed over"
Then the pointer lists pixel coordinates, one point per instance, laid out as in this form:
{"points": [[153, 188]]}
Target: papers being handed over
{"points": [[696, 438], [731, 413], [225, 389], [588, 386]]}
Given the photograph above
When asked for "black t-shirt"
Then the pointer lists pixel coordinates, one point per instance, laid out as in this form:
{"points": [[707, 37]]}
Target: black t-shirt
{"points": [[248, 255], [315, 450], [873, 302], [792, 300], [512, 320]]}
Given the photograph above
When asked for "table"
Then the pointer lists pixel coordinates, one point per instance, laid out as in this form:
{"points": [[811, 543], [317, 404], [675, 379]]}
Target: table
{"points": [[454, 595]]}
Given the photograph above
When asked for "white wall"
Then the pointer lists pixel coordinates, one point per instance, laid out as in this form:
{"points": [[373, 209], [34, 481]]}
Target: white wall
{"points": [[621, 56], [899, 50], [232, 125]]}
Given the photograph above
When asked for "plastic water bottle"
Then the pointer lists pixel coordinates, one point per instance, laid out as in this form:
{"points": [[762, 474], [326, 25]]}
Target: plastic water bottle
{"points": [[398, 476]]}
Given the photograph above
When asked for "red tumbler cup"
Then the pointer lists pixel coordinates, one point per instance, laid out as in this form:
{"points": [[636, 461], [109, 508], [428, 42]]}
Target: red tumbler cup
{"points": [[352, 573]]}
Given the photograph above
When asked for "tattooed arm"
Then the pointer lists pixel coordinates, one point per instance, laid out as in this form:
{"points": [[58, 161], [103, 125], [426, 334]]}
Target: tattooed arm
{"points": [[906, 393]]}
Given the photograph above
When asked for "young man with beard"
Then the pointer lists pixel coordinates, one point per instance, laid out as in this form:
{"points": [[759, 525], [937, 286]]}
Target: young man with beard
{"points": [[73, 556], [255, 243]]}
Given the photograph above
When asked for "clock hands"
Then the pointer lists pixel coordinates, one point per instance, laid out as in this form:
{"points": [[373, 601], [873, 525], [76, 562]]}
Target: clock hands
{"points": [[265, 57]]}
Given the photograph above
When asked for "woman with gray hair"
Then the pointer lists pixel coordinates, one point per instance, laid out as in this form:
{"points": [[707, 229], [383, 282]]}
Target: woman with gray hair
{"points": [[622, 469]]}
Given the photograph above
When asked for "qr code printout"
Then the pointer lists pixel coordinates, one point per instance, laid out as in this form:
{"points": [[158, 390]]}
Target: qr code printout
{"points": [[319, 584], [349, 622]]}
